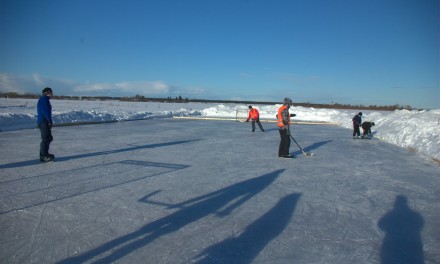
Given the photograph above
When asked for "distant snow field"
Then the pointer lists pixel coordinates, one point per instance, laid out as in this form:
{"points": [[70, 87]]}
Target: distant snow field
{"points": [[417, 130]]}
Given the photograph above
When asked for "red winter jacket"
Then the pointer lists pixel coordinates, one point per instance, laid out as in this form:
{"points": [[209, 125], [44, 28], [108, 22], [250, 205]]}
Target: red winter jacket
{"points": [[253, 114]]}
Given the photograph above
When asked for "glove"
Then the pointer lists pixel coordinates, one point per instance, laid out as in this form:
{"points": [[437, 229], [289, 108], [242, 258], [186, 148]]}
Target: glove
{"points": [[50, 124], [292, 115], [247, 120]]}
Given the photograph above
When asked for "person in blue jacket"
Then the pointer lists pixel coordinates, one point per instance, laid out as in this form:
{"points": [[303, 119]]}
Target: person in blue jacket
{"points": [[44, 119], [357, 121]]}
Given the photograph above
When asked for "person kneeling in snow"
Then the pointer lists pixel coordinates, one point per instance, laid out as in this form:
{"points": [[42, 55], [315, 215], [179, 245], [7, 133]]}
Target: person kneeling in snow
{"points": [[366, 127], [254, 115]]}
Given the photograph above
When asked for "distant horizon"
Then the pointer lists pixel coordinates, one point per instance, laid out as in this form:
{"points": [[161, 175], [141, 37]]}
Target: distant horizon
{"points": [[173, 99]]}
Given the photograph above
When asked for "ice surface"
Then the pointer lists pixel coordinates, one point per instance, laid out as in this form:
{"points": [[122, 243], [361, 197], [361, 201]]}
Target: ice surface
{"points": [[416, 130], [187, 191]]}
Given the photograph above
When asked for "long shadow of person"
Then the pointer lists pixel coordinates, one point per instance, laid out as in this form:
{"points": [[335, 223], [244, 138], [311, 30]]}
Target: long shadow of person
{"points": [[245, 247], [189, 211], [311, 147], [402, 227], [94, 154]]}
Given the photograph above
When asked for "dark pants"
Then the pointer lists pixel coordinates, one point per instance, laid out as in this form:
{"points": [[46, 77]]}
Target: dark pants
{"points": [[259, 125], [356, 130], [366, 132], [46, 138], [284, 143]]}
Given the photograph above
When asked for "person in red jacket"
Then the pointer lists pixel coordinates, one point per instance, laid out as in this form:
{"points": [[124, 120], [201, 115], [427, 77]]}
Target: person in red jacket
{"points": [[254, 115]]}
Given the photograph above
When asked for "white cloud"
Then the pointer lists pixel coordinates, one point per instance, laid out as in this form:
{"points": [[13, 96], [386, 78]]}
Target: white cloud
{"points": [[125, 88], [35, 83], [8, 83], [92, 87], [37, 79], [194, 92], [144, 87]]}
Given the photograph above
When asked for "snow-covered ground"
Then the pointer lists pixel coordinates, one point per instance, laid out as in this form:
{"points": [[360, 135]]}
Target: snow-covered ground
{"points": [[417, 130]]}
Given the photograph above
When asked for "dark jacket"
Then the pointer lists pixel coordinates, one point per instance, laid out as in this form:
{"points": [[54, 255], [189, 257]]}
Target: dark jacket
{"points": [[44, 110], [357, 120], [367, 125]]}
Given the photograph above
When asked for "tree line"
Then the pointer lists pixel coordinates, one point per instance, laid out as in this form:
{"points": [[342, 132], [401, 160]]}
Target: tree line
{"points": [[180, 99]]}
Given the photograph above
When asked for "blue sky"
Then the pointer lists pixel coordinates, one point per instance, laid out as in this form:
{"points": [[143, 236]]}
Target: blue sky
{"points": [[371, 52]]}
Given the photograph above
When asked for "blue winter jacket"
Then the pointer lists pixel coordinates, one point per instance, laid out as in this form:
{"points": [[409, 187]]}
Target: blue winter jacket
{"points": [[44, 110]]}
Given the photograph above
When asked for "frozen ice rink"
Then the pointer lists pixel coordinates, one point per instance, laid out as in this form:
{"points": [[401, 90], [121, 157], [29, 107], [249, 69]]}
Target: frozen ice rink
{"points": [[190, 191]]}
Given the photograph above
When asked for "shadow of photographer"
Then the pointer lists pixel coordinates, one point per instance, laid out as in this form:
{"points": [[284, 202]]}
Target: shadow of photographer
{"points": [[402, 227]]}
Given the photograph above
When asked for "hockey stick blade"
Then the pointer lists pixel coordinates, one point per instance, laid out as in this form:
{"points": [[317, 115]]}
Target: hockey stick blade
{"points": [[307, 154]]}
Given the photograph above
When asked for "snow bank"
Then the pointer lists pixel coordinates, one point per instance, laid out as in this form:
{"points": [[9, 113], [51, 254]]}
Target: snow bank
{"points": [[418, 130], [18, 114]]}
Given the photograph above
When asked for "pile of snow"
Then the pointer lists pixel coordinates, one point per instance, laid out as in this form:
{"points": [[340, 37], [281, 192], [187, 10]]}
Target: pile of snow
{"points": [[16, 114], [418, 130]]}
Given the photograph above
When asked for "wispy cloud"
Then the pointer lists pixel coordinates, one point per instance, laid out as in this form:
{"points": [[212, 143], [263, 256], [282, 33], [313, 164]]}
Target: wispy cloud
{"points": [[9, 83], [128, 88], [35, 83], [245, 75]]}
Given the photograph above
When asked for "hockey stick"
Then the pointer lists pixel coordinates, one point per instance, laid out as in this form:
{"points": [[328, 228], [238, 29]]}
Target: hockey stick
{"points": [[309, 154]]}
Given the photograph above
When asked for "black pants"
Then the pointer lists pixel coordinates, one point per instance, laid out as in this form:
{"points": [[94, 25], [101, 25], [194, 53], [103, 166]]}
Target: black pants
{"points": [[356, 130], [46, 138], [366, 132], [284, 143], [259, 125]]}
